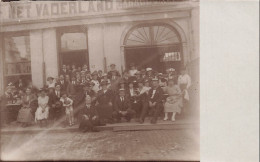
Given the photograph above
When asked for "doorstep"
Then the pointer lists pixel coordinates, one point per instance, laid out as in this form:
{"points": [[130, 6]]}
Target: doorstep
{"points": [[124, 126]]}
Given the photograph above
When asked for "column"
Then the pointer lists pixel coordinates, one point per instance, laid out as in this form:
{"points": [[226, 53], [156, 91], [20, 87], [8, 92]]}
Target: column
{"points": [[1, 66], [50, 52], [95, 47], [36, 49]]}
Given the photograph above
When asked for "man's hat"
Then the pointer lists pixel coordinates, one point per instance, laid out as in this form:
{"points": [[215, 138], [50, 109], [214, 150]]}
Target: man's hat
{"points": [[171, 69], [132, 64], [42, 90], [138, 73], [50, 78], [149, 69], [95, 73], [103, 83], [105, 74], [155, 79], [112, 64], [121, 89]]}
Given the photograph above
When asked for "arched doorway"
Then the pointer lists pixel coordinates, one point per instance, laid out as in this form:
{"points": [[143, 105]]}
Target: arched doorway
{"points": [[156, 45]]}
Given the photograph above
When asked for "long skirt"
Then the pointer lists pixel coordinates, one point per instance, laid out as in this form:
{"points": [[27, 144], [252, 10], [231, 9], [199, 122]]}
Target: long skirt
{"points": [[40, 114], [173, 106], [25, 115]]}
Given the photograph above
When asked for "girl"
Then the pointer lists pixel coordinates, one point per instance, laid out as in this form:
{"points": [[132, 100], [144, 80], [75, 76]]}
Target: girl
{"points": [[50, 82], [67, 103], [42, 112], [173, 101]]}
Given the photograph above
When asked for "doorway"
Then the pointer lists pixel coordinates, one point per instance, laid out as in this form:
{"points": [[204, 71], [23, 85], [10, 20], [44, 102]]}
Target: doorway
{"points": [[157, 58], [155, 45]]}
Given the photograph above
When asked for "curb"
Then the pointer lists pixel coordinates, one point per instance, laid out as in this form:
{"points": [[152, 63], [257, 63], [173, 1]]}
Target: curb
{"points": [[134, 127]]}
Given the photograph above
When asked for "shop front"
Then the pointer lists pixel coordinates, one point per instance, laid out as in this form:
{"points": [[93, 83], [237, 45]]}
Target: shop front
{"points": [[37, 38]]}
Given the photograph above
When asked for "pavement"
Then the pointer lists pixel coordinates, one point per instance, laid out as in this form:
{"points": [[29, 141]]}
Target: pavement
{"points": [[186, 123], [156, 145]]}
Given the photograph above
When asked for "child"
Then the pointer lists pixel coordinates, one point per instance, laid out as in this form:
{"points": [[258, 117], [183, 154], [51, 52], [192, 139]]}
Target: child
{"points": [[67, 103]]}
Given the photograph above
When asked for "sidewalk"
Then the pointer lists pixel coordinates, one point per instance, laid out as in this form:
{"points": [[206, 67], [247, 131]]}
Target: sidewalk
{"points": [[188, 123]]}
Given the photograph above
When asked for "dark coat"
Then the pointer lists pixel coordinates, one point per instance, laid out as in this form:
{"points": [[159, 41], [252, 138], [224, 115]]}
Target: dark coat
{"points": [[105, 98], [122, 106], [158, 96]]}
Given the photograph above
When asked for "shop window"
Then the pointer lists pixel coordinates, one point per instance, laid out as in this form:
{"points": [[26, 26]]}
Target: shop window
{"points": [[17, 59]]}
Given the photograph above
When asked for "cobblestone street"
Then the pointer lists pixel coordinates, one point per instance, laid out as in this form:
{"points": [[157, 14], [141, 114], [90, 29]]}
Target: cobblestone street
{"points": [[125, 145]]}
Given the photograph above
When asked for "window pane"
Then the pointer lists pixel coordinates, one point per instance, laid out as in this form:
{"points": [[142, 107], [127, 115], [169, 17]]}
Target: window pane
{"points": [[17, 55], [17, 49], [73, 41]]}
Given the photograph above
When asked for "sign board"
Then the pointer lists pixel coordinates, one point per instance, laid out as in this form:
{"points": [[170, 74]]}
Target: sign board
{"points": [[32, 10]]}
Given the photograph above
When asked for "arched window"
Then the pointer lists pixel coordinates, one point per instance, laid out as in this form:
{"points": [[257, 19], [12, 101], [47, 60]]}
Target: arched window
{"points": [[152, 34]]}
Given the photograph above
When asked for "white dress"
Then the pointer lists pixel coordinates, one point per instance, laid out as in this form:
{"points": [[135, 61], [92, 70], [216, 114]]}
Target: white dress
{"points": [[42, 111]]}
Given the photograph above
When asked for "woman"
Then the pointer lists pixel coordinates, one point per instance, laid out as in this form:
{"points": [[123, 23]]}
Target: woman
{"points": [[42, 112], [173, 102], [29, 103]]}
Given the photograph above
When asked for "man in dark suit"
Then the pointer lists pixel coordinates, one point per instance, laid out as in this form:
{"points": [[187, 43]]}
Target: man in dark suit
{"points": [[64, 71], [122, 107], [72, 88], [63, 84], [155, 99], [89, 118], [113, 70], [104, 101], [56, 109]]}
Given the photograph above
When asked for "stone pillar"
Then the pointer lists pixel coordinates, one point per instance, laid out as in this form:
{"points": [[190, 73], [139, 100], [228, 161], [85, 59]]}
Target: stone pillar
{"points": [[1, 66], [112, 35], [37, 65], [50, 52], [95, 47]]}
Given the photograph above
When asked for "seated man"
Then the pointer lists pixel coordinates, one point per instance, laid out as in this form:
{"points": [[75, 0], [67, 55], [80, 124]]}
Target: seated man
{"points": [[104, 103], [88, 117], [122, 107], [155, 99]]}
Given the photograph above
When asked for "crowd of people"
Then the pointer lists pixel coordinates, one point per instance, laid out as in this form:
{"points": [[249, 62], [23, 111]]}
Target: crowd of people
{"points": [[97, 98]]}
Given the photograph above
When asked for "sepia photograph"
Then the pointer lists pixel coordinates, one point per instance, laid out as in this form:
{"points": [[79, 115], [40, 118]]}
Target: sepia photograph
{"points": [[100, 80]]}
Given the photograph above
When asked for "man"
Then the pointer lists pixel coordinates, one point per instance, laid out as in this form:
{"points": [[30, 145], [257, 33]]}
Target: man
{"points": [[64, 70], [56, 109], [63, 84], [184, 82], [122, 107], [95, 81], [89, 118], [104, 103], [143, 99], [149, 74], [72, 88], [113, 69], [155, 98]]}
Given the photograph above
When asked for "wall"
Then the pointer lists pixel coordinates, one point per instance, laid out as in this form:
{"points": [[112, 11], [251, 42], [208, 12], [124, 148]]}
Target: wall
{"points": [[1, 67]]}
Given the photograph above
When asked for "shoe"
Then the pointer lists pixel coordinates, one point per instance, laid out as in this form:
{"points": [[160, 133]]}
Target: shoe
{"points": [[165, 119], [173, 120], [141, 121]]}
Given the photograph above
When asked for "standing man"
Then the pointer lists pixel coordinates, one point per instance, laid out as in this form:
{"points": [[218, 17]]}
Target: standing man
{"points": [[113, 69], [104, 103], [56, 109], [155, 99]]}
